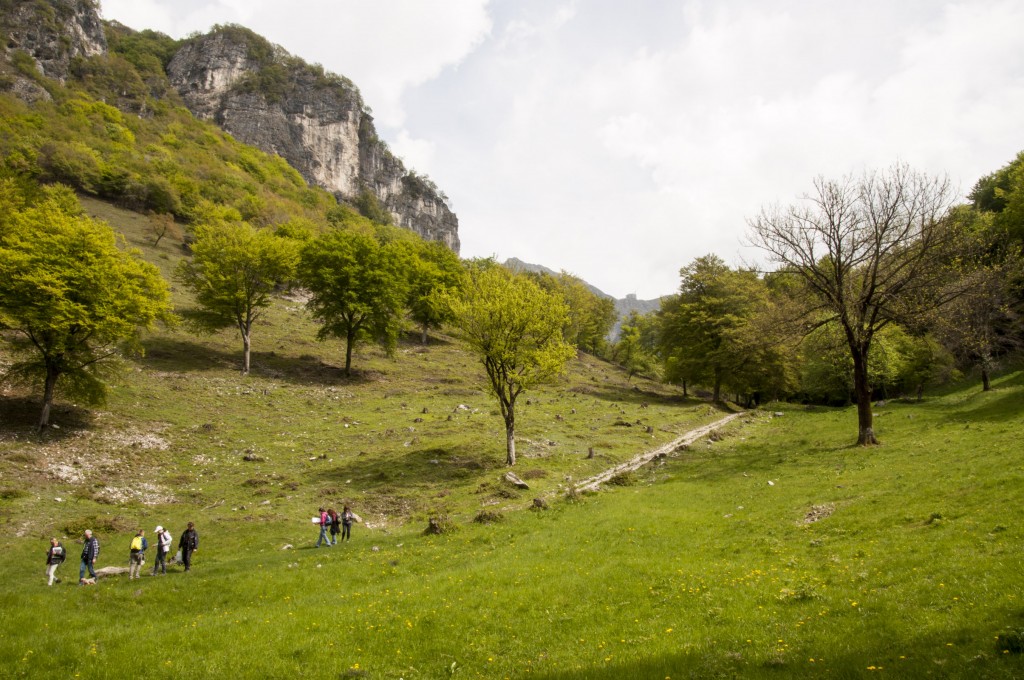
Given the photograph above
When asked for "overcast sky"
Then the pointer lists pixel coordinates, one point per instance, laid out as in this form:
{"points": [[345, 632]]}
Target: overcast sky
{"points": [[619, 141]]}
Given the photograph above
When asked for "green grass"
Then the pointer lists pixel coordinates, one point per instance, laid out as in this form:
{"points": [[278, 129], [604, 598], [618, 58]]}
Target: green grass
{"points": [[702, 565]]}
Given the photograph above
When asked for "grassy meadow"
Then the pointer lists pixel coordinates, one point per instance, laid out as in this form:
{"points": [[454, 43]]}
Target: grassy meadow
{"points": [[773, 549]]}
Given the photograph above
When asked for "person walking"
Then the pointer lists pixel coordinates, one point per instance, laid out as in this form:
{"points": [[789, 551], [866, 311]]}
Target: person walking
{"points": [[163, 546], [188, 544], [335, 525], [90, 551], [137, 555], [347, 517], [325, 521], [54, 558]]}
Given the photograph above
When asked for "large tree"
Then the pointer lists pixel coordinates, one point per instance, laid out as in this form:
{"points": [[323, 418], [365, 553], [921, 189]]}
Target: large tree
{"points": [[706, 331], [515, 327], [358, 288], [73, 298], [233, 271], [870, 251], [433, 271]]}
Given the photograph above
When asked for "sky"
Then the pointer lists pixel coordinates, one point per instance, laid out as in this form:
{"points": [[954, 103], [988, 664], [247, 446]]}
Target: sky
{"points": [[620, 141]]}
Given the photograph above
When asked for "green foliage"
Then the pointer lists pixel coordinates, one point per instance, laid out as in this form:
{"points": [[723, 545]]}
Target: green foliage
{"points": [[515, 329], [636, 348], [233, 271], [719, 331], [591, 316], [358, 287], [74, 299], [434, 273], [370, 208]]}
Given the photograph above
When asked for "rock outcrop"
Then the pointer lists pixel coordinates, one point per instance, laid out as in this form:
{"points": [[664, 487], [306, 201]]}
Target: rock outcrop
{"points": [[53, 33], [258, 93], [315, 120]]}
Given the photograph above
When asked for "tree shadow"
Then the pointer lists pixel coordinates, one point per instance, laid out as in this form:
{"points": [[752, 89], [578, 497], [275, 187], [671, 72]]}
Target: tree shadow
{"points": [[175, 356], [415, 468], [20, 415]]}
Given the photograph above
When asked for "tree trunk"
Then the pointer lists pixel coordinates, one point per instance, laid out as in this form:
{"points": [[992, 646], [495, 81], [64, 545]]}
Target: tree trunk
{"points": [[48, 389], [510, 437], [685, 395], [349, 340], [717, 395], [423, 335], [865, 419], [246, 344], [986, 381]]}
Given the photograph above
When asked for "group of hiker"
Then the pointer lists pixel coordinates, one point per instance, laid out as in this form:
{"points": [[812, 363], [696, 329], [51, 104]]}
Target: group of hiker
{"points": [[333, 523], [187, 544]]}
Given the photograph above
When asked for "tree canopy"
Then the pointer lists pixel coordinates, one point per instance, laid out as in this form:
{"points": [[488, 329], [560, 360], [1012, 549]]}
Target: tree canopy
{"points": [[233, 271], [73, 297], [515, 328], [358, 288]]}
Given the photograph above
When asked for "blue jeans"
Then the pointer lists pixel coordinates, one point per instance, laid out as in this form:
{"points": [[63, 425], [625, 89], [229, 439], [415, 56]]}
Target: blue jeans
{"points": [[323, 536], [81, 570]]}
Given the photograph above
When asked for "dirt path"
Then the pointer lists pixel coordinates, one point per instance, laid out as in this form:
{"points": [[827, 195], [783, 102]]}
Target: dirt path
{"points": [[592, 483]]}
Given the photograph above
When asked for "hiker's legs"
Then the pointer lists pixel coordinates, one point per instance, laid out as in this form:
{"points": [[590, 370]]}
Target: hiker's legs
{"points": [[51, 572]]}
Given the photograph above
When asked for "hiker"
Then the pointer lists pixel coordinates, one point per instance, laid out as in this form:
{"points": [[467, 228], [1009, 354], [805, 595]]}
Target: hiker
{"points": [[347, 517], [325, 521], [335, 525], [137, 555], [90, 551], [163, 546], [54, 558], [188, 544]]}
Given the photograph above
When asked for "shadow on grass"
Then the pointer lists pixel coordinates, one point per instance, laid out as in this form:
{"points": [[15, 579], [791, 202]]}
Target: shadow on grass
{"points": [[172, 355], [415, 468], [635, 395], [21, 415]]}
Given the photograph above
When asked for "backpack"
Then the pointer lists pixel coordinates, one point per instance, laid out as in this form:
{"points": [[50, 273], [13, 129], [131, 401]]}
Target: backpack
{"points": [[137, 544]]}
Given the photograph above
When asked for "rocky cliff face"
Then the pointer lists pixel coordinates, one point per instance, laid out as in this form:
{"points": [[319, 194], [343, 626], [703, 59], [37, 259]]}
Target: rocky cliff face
{"points": [[53, 33], [315, 121]]}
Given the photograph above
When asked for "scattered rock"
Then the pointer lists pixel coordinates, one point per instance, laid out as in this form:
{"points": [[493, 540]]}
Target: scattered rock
{"points": [[103, 572], [287, 546], [515, 481], [778, 414], [818, 512], [539, 504]]}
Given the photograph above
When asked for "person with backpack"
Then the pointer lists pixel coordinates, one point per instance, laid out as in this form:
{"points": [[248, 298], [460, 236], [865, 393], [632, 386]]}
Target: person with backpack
{"points": [[163, 546], [90, 551], [335, 525], [347, 517], [325, 521], [54, 558], [188, 544], [137, 555]]}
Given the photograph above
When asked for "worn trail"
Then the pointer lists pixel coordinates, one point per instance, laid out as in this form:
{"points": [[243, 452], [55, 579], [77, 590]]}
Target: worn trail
{"points": [[592, 483]]}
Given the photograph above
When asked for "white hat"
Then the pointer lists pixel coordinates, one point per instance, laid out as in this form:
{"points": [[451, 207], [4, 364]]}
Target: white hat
{"points": [[158, 529]]}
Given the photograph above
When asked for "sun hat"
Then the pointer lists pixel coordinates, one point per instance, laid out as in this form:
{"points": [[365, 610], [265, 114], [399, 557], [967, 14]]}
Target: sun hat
{"points": [[158, 529]]}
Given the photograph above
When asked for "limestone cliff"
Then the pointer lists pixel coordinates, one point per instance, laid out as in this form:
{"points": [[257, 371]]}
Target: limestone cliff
{"points": [[315, 120], [53, 33]]}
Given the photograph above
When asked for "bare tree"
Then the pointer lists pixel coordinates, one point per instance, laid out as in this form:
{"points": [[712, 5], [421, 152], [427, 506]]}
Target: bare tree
{"points": [[871, 251]]}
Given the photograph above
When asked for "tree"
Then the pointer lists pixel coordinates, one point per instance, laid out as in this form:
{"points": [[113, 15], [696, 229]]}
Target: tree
{"points": [[636, 346], [233, 270], [161, 225], [591, 316], [434, 270], [74, 300], [358, 287], [703, 327], [515, 328], [869, 252]]}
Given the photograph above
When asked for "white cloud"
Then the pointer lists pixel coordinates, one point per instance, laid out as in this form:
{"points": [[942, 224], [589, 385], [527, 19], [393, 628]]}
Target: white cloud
{"points": [[620, 142]]}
